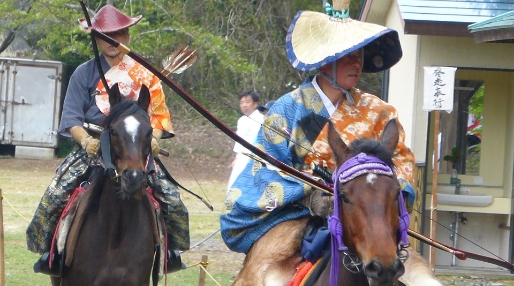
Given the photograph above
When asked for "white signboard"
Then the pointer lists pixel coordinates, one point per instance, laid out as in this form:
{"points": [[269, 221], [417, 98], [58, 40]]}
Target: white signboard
{"points": [[438, 88]]}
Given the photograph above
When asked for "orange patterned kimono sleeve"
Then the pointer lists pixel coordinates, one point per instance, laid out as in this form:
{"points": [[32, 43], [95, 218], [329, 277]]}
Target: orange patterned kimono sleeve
{"points": [[366, 119], [159, 114], [160, 117]]}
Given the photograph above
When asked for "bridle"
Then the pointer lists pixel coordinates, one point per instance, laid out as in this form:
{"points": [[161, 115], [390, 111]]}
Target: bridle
{"points": [[354, 167], [105, 140]]}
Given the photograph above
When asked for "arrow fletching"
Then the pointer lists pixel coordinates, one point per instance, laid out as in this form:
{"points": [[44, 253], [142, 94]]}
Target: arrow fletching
{"points": [[180, 60]]}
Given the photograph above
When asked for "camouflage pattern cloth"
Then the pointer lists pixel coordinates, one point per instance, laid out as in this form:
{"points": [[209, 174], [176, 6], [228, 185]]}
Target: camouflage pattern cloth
{"points": [[173, 211], [74, 170]]}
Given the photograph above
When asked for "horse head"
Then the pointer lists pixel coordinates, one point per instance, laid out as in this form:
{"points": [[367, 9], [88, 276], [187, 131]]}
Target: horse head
{"points": [[368, 193], [129, 133]]}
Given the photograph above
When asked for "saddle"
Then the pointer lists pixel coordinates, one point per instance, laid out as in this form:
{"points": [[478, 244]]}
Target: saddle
{"points": [[70, 223], [315, 250], [309, 273]]}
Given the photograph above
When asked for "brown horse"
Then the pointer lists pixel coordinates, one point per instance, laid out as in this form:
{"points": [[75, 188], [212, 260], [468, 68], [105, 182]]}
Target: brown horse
{"points": [[115, 244], [370, 224]]}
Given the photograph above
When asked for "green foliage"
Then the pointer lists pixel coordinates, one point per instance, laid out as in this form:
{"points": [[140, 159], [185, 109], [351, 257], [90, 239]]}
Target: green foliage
{"points": [[371, 83], [240, 43], [64, 147], [476, 107], [476, 103], [453, 157]]}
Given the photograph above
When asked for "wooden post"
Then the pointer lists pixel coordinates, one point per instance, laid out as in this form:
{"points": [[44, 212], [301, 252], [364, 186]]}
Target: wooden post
{"points": [[433, 208], [204, 263], [2, 250]]}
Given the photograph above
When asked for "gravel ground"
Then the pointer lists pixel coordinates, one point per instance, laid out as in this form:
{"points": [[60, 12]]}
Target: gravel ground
{"points": [[475, 277]]}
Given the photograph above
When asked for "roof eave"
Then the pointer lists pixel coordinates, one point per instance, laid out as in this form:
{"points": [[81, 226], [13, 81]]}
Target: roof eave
{"points": [[374, 11], [432, 28], [504, 35]]}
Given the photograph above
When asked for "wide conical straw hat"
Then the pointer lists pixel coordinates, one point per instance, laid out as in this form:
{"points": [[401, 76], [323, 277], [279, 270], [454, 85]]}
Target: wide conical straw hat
{"points": [[315, 39]]}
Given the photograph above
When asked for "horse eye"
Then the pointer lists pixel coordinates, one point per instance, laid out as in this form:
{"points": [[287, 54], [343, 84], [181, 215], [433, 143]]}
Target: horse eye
{"points": [[344, 197], [113, 132]]}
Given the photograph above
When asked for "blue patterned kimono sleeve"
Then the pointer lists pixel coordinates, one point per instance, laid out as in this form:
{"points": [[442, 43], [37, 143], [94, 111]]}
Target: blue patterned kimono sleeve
{"points": [[261, 197]]}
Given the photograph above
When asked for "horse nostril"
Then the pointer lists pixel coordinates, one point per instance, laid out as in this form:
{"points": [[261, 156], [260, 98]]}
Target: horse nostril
{"points": [[373, 269], [398, 267]]}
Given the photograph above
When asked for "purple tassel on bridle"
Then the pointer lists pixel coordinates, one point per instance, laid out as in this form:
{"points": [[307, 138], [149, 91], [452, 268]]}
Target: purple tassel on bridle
{"points": [[336, 230], [356, 166], [404, 221]]}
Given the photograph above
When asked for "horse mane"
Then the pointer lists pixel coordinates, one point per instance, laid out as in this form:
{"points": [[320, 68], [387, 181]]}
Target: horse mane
{"points": [[124, 106], [96, 182], [372, 147], [97, 178]]}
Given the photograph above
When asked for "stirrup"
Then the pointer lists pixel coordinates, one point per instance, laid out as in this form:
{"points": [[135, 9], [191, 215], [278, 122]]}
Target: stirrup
{"points": [[174, 262], [42, 265]]}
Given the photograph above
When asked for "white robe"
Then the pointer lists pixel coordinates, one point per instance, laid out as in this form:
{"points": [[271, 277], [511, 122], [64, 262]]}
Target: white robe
{"points": [[247, 127]]}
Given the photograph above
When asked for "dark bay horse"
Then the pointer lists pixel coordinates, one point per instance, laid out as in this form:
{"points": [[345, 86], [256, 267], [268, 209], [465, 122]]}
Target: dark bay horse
{"points": [[370, 218], [116, 238]]}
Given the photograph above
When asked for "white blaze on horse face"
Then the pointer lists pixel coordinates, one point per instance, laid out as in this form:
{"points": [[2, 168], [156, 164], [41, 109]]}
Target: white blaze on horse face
{"points": [[370, 178], [131, 126]]}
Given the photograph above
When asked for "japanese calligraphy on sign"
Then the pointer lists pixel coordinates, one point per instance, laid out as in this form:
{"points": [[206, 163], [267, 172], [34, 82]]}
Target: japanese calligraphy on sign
{"points": [[438, 88]]}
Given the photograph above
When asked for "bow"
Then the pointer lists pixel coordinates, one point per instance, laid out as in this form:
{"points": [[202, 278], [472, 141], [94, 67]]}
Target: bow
{"points": [[461, 254], [266, 158], [95, 48], [204, 112]]}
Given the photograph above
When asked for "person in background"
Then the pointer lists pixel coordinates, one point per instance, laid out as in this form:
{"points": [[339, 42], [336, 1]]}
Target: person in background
{"points": [[248, 126], [339, 49], [87, 101], [263, 109]]}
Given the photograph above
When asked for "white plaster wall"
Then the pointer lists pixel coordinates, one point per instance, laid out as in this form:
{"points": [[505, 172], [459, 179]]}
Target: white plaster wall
{"points": [[406, 94], [406, 77], [402, 82], [464, 52]]}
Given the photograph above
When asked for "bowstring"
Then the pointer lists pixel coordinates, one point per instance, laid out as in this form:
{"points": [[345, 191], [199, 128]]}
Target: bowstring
{"points": [[463, 237], [264, 126], [218, 99], [309, 150], [295, 143], [151, 111]]}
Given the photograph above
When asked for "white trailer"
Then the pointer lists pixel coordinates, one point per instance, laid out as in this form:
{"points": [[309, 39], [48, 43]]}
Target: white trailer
{"points": [[30, 105]]}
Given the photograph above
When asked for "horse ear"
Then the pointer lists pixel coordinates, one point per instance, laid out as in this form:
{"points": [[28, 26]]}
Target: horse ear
{"points": [[390, 135], [144, 97], [339, 149], [114, 95]]}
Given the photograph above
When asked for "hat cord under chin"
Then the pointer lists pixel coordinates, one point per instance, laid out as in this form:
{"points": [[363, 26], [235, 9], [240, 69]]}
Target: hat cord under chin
{"points": [[334, 84]]}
